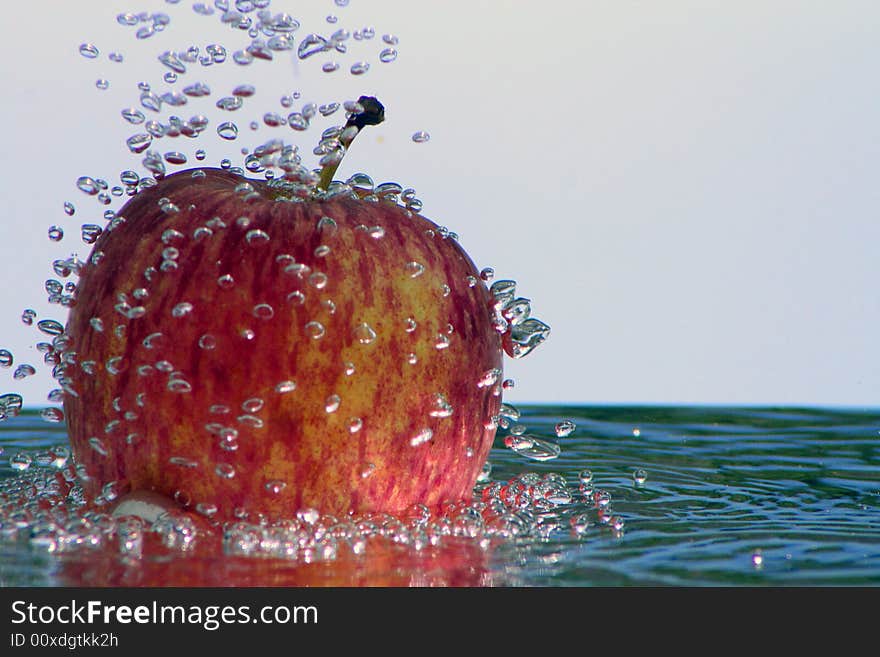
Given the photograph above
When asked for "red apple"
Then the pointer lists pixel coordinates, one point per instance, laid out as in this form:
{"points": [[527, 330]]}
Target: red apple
{"points": [[244, 347]]}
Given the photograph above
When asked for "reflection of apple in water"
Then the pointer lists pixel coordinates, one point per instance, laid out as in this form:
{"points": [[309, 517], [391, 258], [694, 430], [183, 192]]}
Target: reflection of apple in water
{"points": [[242, 349]]}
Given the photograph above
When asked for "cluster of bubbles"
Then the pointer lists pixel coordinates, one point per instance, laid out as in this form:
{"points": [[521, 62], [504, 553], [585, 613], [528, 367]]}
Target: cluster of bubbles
{"points": [[45, 507]]}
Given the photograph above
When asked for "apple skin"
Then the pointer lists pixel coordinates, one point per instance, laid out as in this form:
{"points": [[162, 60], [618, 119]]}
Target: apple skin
{"points": [[144, 413]]}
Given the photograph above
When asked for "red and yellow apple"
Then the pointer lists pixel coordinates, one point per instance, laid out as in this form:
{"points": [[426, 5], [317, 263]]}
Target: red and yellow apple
{"points": [[244, 348]]}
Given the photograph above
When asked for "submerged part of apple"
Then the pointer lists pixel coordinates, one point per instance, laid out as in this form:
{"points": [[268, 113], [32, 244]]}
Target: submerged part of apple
{"points": [[244, 350]]}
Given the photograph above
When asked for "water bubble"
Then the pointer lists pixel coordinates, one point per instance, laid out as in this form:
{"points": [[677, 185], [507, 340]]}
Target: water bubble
{"points": [[227, 130], [226, 281], [388, 55], [359, 68], [27, 316], [207, 341], [640, 476], [532, 447], [331, 405], [230, 103], [314, 330], [636, 432], [89, 50], [263, 311], [441, 406], [175, 157], [420, 137], [415, 269], [312, 44], [364, 333], [565, 428], [23, 371], [102, 84], [6, 358], [421, 437], [20, 461]]}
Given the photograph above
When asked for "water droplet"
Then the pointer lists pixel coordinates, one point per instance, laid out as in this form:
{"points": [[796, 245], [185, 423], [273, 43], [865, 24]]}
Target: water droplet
{"points": [[207, 341], [296, 297], [388, 55], [275, 486], [318, 280], [758, 558], [263, 311], [6, 358], [88, 50], [20, 461], [364, 333], [285, 387], [415, 269], [331, 405], [442, 342], [252, 405], [52, 414], [226, 281], [412, 359], [489, 378], [355, 424], [640, 476], [256, 237], [182, 309], [227, 130], [50, 327], [183, 462], [225, 470], [421, 437], [56, 233], [532, 447], [487, 274], [359, 68], [636, 432], [102, 84], [230, 103], [97, 445], [23, 371], [441, 406], [565, 428], [376, 232], [179, 386], [368, 470]]}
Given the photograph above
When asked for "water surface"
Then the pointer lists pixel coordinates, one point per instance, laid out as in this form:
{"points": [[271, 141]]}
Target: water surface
{"points": [[730, 496]]}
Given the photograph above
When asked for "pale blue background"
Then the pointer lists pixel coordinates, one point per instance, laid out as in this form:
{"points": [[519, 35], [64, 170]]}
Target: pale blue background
{"points": [[688, 191]]}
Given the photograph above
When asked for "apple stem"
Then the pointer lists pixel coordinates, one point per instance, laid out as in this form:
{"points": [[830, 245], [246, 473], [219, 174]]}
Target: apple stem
{"points": [[373, 113]]}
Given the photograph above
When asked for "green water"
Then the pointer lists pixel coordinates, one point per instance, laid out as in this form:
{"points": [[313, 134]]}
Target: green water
{"points": [[733, 496]]}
